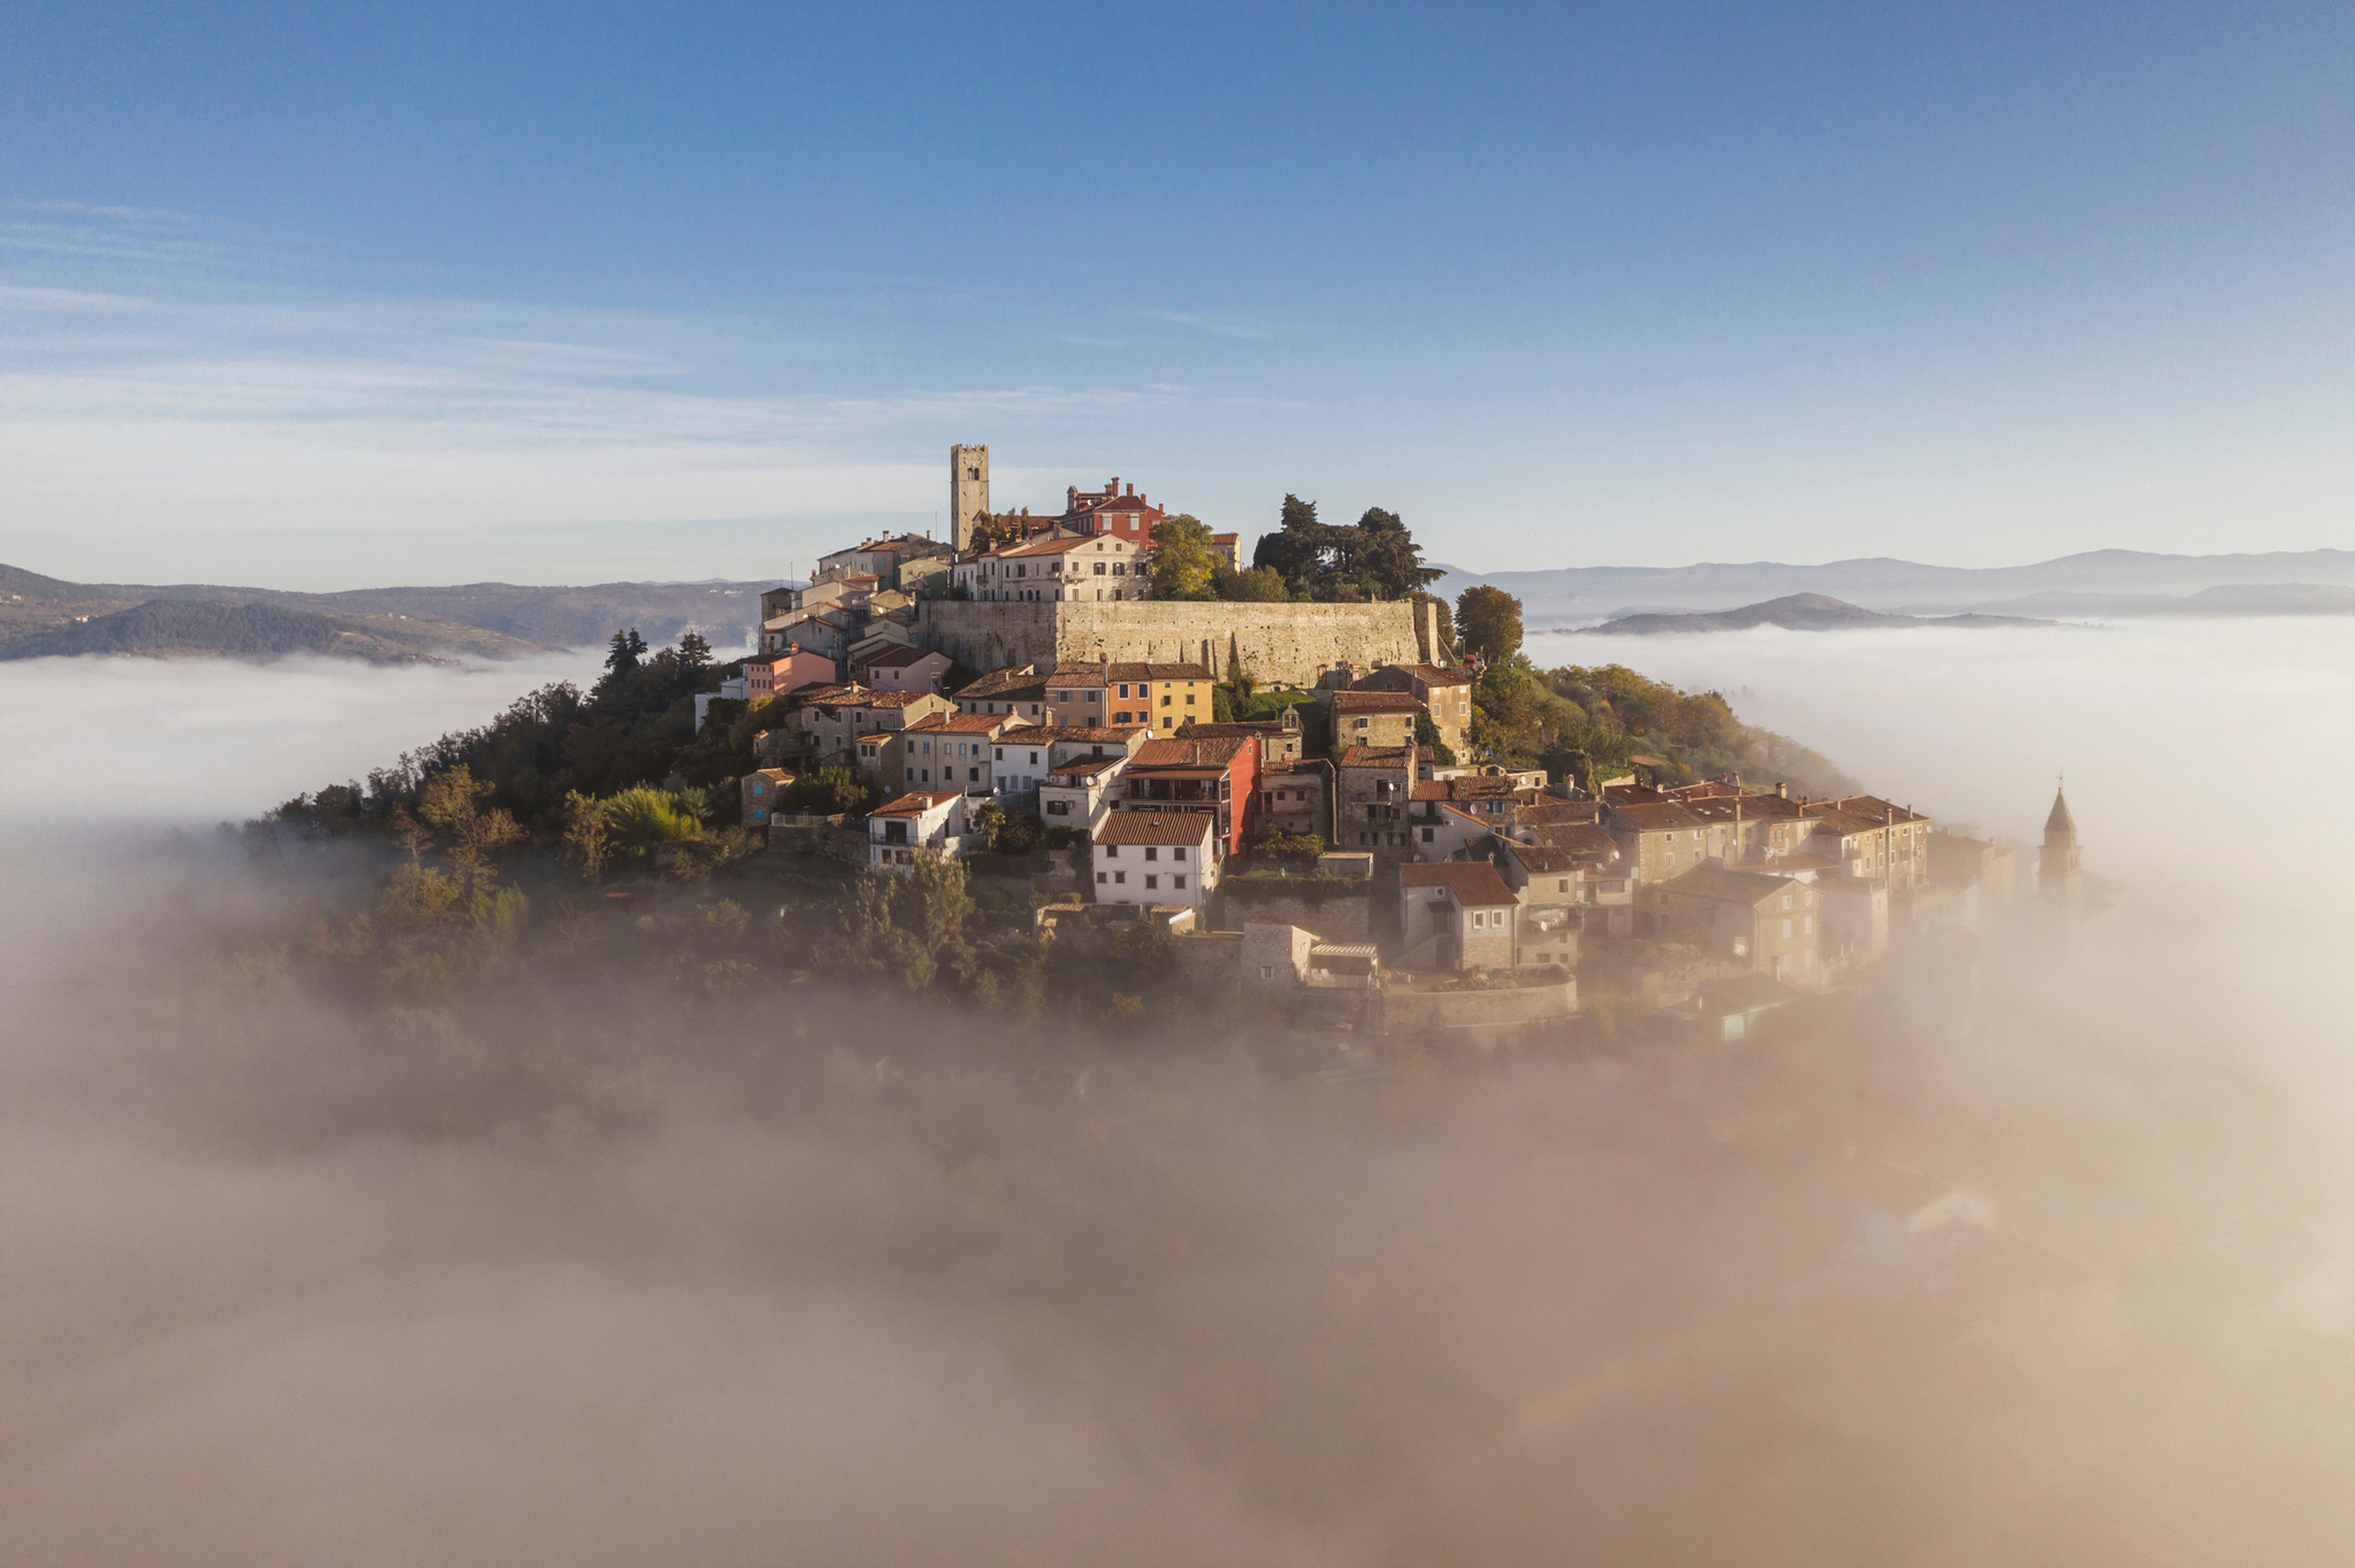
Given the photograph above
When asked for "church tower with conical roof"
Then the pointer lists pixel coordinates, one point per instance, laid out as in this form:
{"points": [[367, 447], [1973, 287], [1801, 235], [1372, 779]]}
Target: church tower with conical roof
{"points": [[2056, 864]]}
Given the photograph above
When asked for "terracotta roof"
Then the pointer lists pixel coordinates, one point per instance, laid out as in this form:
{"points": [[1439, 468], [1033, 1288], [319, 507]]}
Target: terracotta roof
{"points": [[1083, 766], [1551, 812], [1718, 886], [1433, 675], [1428, 789], [900, 654], [1241, 730], [1378, 757], [1188, 753], [1539, 857], [885, 699], [1054, 543], [1123, 733], [969, 723], [1097, 673], [1879, 809], [1584, 840], [1474, 883], [825, 697], [1655, 816], [915, 803], [1376, 702], [1154, 828], [1002, 682], [1843, 823]]}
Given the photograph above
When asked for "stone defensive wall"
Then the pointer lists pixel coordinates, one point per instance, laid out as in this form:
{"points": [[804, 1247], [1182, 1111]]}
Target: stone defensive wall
{"points": [[1279, 644]]}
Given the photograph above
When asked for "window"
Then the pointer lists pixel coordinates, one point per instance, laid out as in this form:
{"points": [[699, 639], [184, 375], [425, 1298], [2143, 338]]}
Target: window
{"points": [[1120, 876], [1124, 689], [1151, 853], [1427, 836], [1178, 883], [1001, 755], [1100, 568], [1111, 852], [1267, 972], [1179, 853], [1102, 876], [1562, 885], [1807, 924], [1479, 918], [1164, 699], [1190, 699], [1152, 882], [1786, 927]]}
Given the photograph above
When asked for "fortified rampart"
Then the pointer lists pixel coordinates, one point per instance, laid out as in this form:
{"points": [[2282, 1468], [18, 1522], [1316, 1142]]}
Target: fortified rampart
{"points": [[1279, 644]]}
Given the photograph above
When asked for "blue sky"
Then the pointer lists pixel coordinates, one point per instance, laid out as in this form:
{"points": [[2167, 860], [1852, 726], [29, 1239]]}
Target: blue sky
{"points": [[322, 296]]}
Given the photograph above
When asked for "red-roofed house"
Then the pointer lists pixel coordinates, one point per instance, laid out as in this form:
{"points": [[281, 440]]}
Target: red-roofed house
{"points": [[1456, 915], [1151, 857], [1217, 778], [924, 820], [902, 668]]}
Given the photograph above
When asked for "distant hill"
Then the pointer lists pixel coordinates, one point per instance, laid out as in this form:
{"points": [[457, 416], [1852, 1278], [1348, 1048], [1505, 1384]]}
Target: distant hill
{"points": [[166, 627], [2228, 599], [1585, 594], [483, 619], [1799, 611]]}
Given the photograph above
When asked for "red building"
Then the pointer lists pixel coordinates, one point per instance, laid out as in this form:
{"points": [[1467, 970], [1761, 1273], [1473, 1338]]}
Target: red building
{"points": [[1218, 777], [1107, 511]]}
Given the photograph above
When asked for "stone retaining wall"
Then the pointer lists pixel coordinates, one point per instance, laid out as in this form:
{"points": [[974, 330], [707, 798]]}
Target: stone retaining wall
{"points": [[1279, 644], [1503, 1011]]}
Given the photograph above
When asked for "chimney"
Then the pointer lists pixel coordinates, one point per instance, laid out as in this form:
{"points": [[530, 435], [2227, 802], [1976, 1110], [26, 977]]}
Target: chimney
{"points": [[1111, 487], [1782, 790], [1132, 489]]}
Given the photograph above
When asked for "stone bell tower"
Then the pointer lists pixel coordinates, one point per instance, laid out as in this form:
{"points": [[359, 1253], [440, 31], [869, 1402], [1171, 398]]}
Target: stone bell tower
{"points": [[968, 493], [2058, 879]]}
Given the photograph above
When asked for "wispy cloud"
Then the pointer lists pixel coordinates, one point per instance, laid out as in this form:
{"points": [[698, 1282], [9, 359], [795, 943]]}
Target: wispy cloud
{"points": [[201, 390], [1221, 323]]}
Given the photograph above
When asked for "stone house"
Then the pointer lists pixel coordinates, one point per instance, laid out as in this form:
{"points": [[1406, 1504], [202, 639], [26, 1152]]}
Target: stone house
{"points": [[1372, 718], [760, 793], [1445, 696], [1898, 853], [1373, 789], [1278, 737], [886, 559], [1456, 915], [1771, 925], [1217, 778], [834, 718], [956, 751], [1438, 829], [918, 820], [1164, 697], [1080, 792], [1855, 912], [824, 631], [1661, 838], [1021, 689], [790, 669], [1274, 958], [905, 668], [1149, 857], [1057, 566], [1296, 795]]}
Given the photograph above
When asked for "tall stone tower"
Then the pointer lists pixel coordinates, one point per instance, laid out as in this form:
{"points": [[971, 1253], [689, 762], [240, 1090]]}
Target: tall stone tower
{"points": [[968, 492], [2057, 878]]}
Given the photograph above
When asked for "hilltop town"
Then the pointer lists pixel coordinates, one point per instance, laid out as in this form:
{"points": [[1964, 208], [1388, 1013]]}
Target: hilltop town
{"points": [[1303, 772]]}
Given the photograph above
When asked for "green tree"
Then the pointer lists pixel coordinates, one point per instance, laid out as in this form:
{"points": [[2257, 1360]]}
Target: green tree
{"points": [[1426, 735], [1382, 558], [1295, 552], [1252, 585], [1185, 562], [694, 650], [459, 806], [1489, 621], [623, 652], [831, 791]]}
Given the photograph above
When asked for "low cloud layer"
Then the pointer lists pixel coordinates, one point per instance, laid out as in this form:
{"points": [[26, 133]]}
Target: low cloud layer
{"points": [[584, 1274]]}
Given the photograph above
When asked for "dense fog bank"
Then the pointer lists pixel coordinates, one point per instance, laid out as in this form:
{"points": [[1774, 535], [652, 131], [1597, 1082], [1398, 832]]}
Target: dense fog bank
{"points": [[589, 1266]]}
